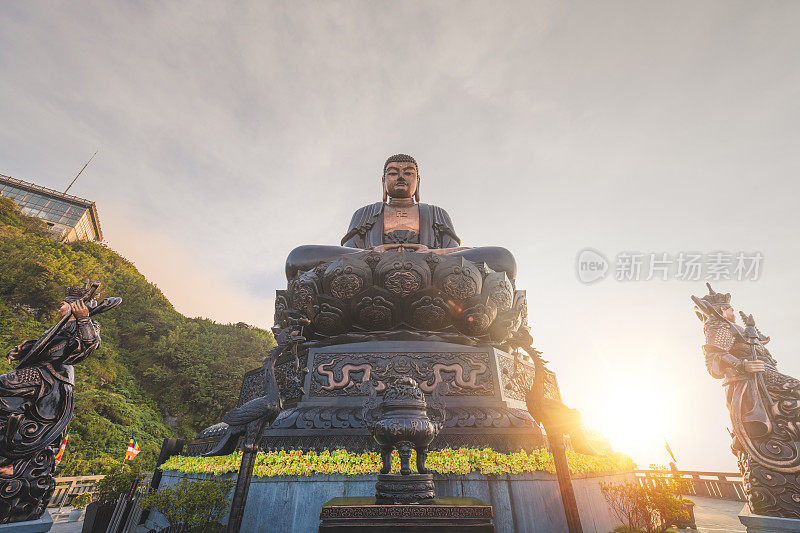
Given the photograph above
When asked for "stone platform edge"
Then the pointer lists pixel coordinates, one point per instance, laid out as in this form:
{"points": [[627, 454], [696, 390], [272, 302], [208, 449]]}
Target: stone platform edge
{"points": [[40, 525], [464, 508], [763, 524]]}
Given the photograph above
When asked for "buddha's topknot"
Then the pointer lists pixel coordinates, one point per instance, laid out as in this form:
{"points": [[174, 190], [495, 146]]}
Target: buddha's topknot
{"points": [[400, 158]]}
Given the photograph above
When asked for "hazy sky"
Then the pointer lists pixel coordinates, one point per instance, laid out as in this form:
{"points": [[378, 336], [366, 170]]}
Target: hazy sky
{"points": [[231, 132]]}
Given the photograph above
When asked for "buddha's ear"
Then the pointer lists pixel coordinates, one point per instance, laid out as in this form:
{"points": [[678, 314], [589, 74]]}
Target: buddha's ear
{"points": [[385, 194], [416, 193]]}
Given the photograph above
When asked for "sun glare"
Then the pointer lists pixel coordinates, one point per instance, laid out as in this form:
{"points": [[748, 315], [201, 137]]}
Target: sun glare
{"points": [[635, 416]]}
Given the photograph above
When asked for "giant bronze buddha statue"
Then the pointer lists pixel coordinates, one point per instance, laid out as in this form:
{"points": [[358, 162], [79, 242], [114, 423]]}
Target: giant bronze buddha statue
{"points": [[401, 220], [400, 297]]}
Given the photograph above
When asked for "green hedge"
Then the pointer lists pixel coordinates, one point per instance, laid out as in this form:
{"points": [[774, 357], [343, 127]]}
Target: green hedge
{"points": [[447, 461]]}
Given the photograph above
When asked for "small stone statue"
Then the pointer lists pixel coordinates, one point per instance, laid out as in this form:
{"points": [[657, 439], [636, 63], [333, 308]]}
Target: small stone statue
{"points": [[251, 418], [36, 403], [402, 422], [764, 406], [557, 418]]}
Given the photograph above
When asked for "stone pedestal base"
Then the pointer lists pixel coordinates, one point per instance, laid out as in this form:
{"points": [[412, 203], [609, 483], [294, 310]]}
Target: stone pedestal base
{"points": [[485, 402], [445, 515], [771, 524], [394, 488], [43, 524]]}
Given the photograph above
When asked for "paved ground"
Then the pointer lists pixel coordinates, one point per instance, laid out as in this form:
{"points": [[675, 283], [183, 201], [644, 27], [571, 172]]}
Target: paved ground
{"points": [[60, 523], [67, 527], [717, 516]]}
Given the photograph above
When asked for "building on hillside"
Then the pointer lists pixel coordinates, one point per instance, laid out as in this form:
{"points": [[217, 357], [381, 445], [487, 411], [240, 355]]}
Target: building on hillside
{"points": [[69, 217]]}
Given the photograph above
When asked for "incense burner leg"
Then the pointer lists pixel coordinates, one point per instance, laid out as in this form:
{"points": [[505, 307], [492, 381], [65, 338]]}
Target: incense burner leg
{"points": [[422, 456], [386, 459], [404, 449]]}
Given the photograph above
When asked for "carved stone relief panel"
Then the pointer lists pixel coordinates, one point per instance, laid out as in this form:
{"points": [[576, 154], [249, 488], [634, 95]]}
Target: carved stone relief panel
{"points": [[466, 373]]}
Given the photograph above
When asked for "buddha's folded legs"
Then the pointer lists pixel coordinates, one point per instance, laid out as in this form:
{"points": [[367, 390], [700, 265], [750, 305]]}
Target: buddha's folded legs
{"points": [[308, 256], [497, 258]]}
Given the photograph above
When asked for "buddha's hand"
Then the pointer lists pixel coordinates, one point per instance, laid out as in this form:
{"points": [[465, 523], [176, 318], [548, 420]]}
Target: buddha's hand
{"points": [[445, 251], [407, 246], [753, 366]]}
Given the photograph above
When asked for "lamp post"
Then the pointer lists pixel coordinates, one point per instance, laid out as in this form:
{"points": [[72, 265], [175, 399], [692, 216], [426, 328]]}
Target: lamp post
{"points": [[243, 480], [557, 420], [558, 449]]}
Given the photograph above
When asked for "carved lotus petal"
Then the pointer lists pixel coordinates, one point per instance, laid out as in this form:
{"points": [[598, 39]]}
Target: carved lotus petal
{"points": [[428, 312], [403, 282], [303, 292], [458, 278], [478, 316], [429, 317], [375, 313], [498, 288], [345, 277], [460, 286], [403, 273], [329, 319], [346, 286], [477, 322]]}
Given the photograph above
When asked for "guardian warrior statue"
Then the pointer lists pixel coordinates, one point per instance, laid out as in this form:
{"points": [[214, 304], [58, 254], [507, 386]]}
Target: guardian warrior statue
{"points": [[764, 406], [36, 403]]}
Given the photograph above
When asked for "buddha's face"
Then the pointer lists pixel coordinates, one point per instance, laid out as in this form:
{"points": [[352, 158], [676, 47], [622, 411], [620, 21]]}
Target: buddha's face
{"points": [[401, 180]]}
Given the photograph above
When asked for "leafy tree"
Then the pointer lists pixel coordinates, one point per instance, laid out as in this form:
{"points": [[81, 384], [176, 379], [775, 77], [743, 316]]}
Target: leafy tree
{"points": [[628, 502], [111, 487], [651, 508], [190, 503]]}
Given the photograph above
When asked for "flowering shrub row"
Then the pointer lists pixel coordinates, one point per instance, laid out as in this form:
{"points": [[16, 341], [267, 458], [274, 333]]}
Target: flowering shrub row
{"points": [[446, 461]]}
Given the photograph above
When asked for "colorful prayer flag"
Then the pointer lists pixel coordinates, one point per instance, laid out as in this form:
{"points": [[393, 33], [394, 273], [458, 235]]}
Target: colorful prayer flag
{"points": [[60, 454], [133, 449], [669, 450]]}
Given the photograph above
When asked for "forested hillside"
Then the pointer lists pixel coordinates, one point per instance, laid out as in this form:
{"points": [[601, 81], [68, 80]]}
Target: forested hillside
{"points": [[157, 374]]}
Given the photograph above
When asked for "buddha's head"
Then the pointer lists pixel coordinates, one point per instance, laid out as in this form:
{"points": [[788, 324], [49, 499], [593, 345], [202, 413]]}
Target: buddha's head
{"points": [[401, 177]]}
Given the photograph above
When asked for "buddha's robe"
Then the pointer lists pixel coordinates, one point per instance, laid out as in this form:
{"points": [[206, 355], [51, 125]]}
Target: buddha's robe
{"points": [[366, 230]]}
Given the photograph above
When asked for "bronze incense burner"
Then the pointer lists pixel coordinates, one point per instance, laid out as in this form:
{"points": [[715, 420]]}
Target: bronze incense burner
{"points": [[400, 420]]}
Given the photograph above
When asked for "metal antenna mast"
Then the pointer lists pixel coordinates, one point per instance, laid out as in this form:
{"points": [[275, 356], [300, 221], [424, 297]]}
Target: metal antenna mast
{"points": [[79, 173]]}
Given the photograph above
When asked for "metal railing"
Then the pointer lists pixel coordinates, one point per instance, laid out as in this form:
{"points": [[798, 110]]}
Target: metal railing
{"points": [[128, 510], [69, 487], [32, 187], [720, 485]]}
